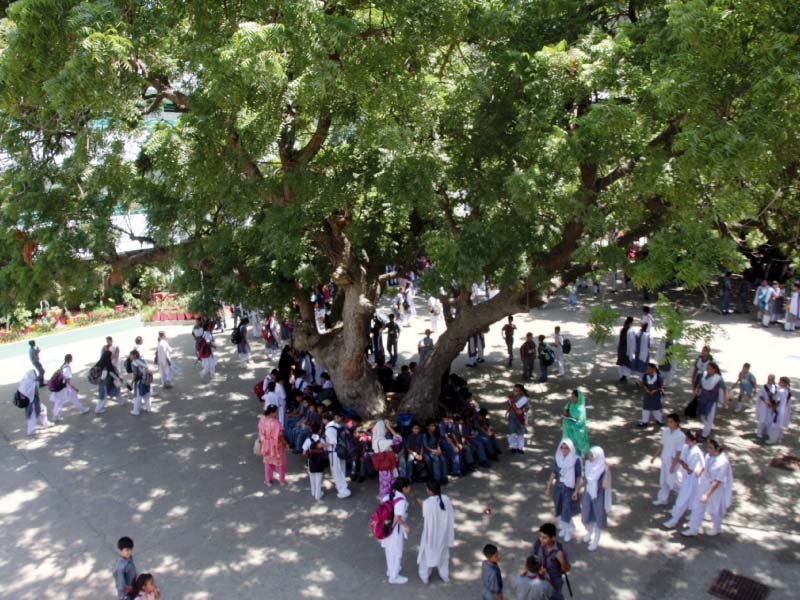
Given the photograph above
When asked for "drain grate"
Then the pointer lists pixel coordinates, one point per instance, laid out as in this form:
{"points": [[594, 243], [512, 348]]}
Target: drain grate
{"points": [[735, 587], [787, 462]]}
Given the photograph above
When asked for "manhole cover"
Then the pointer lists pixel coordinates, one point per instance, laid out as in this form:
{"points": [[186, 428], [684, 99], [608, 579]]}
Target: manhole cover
{"points": [[736, 587], [790, 463]]}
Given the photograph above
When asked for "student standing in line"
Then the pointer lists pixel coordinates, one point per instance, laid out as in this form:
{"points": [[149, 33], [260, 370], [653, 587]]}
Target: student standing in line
{"points": [[714, 491], [596, 496], [438, 534]]}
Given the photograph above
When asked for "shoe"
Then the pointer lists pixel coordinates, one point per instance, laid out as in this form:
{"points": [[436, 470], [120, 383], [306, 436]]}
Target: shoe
{"points": [[670, 524], [399, 580], [85, 410], [659, 503], [567, 535], [587, 538], [344, 495], [592, 547], [100, 412], [689, 532], [712, 532], [480, 360], [135, 413]]}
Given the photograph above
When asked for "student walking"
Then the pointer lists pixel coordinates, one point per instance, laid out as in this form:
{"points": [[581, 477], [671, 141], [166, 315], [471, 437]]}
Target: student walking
{"points": [[35, 411], [652, 390], [393, 543], [392, 337], [435, 309], [781, 411], [205, 351], [596, 497], [669, 450], [109, 384], [508, 336], [765, 401], [34, 356], [438, 534], [626, 349], [273, 445], [566, 474], [164, 359], [714, 491], [142, 380], [243, 343], [527, 352], [692, 462], [746, 382], [573, 422], [63, 390], [558, 347], [709, 392]]}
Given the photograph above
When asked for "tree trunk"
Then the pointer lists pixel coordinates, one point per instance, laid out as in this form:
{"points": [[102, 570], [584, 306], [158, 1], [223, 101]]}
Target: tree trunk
{"points": [[342, 351], [423, 397]]}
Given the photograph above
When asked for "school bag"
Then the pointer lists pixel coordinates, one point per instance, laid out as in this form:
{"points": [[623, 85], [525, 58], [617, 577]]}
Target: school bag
{"points": [[95, 374], [265, 332], [203, 349], [381, 523], [56, 383], [691, 409], [145, 377], [258, 389], [21, 400], [566, 346], [549, 356], [236, 336], [317, 458], [345, 444], [128, 365]]}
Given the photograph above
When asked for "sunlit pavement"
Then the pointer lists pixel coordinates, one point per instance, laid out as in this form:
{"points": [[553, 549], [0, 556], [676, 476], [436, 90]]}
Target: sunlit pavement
{"points": [[182, 482]]}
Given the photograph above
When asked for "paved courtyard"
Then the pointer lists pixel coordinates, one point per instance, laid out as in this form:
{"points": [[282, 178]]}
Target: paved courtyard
{"points": [[182, 482]]}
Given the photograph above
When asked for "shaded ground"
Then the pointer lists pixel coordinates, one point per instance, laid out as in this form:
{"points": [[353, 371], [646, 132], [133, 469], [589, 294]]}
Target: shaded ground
{"points": [[183, 483]]}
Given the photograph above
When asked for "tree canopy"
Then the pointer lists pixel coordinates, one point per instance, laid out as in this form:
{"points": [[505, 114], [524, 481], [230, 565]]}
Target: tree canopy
{"points": [[530, 141]]}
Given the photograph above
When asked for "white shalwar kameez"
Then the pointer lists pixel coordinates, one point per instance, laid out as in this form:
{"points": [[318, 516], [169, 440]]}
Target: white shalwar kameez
{"points": [[764, 415], [165, 366], [59, 399], [559, 351], [671, 445], [438, 536], [717, 469], [210, 362], [393, 543], [694, 459], [782, 415], [792, 312], [338, 466], [435, 309], [27, 387]]}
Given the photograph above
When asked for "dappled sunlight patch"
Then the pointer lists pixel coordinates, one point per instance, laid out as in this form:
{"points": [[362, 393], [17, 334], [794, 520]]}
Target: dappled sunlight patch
{"points": [[15, 501], [177, 512]]}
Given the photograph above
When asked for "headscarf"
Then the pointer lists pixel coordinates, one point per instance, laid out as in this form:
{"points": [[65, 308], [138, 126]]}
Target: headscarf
{"points": [[594, 469], [27, 386], [566, 464], [379, 441], [577, 410]]}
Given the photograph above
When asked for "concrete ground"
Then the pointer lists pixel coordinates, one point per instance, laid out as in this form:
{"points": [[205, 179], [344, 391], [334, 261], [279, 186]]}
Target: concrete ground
{"points": [[182, 482]]}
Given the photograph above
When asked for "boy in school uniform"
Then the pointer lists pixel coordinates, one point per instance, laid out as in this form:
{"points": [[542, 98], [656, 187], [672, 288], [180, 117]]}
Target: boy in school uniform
{"points": [[746, 382], [491, 577], [527, 352], [433, 453], [552, 557], [508, 336], [333, 424], [531, 585], [411, 453]]}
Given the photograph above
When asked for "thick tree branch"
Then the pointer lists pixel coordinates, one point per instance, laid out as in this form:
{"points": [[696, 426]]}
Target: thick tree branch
{"points": [[314, 145]]}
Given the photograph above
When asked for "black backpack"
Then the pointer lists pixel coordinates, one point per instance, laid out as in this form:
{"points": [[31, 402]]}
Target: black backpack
{"points": [[345, 444], [549, 356], [566, 346], [317, 458], [128, 366], [94, 374], [236, 336], [21, 400]]}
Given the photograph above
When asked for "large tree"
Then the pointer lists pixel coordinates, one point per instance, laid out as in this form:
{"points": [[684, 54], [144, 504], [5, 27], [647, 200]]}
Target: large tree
{"points": [[324, 139]]}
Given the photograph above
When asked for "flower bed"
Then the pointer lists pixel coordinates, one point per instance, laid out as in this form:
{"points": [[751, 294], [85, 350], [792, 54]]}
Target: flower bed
{"points": [[58, 321]]}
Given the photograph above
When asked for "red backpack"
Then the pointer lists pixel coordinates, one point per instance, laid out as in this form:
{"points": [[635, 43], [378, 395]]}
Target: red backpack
{"points": [[258, 390], [203, 349], [381, 523]]}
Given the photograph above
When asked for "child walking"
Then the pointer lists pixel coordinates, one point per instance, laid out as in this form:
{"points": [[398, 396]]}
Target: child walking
{"points": [[315, 454]]}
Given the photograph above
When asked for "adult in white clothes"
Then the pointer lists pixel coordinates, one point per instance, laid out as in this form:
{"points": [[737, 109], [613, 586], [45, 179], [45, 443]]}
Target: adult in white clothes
{"points": [[438, 534]]}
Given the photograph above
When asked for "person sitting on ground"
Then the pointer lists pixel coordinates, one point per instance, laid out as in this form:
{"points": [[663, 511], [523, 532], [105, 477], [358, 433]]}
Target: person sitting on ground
{"points": [[433, 453]]}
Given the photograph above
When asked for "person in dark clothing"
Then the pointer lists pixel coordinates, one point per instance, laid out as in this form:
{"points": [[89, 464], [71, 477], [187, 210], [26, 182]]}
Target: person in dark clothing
{"points": [[385, 375], [403, 381]]}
